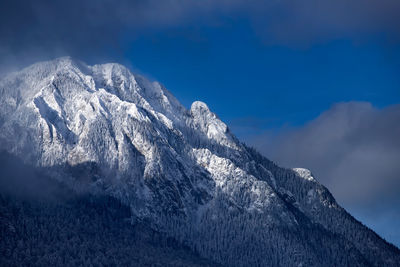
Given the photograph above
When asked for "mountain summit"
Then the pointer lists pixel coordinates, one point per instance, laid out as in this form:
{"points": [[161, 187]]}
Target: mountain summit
{"points": [[105, 131]]}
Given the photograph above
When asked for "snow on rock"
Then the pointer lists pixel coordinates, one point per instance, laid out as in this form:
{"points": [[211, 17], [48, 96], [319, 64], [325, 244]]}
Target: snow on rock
{"points": [[208, 123], [304, 173]]}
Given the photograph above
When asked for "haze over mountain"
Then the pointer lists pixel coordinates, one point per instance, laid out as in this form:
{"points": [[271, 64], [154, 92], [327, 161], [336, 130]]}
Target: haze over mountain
{"points": [[102, 131]]}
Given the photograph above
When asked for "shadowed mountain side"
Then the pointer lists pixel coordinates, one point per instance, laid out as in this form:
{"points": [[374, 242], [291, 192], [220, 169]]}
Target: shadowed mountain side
{"points": [[45, 224]]}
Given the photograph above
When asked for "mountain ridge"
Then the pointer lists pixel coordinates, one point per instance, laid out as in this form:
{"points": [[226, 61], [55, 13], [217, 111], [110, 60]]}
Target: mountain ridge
{"points": [[112, 132]]}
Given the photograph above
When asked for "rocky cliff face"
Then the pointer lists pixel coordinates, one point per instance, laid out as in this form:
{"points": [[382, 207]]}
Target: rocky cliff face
{"points": [[105, 130]]}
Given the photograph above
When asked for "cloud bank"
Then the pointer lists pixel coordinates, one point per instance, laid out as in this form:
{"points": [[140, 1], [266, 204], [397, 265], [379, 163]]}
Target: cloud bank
{"points": [[35, 30], [353, 148]]}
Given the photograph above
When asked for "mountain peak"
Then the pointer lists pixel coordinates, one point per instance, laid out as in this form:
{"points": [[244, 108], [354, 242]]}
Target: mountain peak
{"points": [[199, 107], [208, 123]]}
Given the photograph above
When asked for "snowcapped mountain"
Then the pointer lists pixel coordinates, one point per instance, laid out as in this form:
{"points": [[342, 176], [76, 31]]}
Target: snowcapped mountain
{"points": [[103, 130]]}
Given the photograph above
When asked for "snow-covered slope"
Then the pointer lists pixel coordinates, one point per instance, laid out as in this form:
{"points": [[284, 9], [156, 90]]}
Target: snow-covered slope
{"points": [[105, 130]]}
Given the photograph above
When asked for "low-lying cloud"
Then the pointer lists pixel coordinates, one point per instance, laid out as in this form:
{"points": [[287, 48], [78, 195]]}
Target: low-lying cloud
{"points": [[352, 148]]}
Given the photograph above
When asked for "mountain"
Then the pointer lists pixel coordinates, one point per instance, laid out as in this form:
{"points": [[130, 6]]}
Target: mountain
{"points": [[102, 131]]}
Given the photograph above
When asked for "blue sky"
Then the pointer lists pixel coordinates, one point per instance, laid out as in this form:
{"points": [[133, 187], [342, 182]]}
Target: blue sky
{"points": [[238, 76], [308, 83]]}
